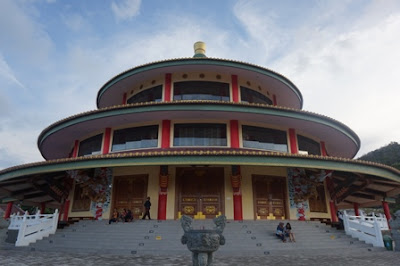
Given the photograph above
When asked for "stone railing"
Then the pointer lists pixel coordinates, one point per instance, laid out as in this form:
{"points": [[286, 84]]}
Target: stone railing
{"points": [[33, 227], [366, 228]]}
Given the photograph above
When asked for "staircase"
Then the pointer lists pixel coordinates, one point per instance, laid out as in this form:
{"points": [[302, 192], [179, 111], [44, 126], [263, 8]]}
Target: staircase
{"points": [[152, 237]]}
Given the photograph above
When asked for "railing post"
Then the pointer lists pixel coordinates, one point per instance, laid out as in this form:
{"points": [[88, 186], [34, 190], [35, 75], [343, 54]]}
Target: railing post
{"points": [[378, 233], [22, 228], [346, 222], [55, 221]]}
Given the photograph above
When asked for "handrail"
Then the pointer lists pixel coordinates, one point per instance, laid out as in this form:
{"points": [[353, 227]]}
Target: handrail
{"points": [[366, 228], [33, 227]]}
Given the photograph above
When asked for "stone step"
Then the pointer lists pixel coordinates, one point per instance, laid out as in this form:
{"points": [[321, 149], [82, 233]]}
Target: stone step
{"points": [[163, 238]]}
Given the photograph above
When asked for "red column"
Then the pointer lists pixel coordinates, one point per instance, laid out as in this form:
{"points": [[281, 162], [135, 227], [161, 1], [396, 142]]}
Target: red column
{"points": [[166, 134], [356, 212], [8, 210], [42, 207], [124, 98], [274, 100], [235, 89], [106, 141], [332, 206], [386, 209], [237, 193], [66, 209], [75, 151], [167, 86], [234, 126], [163, 193], [293, 141], [323, 149]]}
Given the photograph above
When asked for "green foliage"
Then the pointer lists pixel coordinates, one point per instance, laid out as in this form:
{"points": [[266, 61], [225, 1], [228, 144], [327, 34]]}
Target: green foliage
{"points": [[389, 155]]}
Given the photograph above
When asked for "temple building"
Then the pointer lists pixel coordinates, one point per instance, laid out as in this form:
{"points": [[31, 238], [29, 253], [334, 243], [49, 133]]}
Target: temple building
{"points": [[202, 137]]}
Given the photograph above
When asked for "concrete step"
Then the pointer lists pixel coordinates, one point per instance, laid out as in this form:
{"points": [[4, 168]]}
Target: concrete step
{"points": [[163, 238]]}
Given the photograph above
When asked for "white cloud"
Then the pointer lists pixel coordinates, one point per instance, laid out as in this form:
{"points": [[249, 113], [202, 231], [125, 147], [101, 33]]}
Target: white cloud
{"points": [[126, 10], [74, 22], [7, 73], [21, 34]]}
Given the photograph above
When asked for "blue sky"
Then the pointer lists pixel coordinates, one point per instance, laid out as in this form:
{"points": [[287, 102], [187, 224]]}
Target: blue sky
{"points": [[55, 55]]}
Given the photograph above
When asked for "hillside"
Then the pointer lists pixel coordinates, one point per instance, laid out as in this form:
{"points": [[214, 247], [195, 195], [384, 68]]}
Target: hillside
{"points": [[389, 154]]}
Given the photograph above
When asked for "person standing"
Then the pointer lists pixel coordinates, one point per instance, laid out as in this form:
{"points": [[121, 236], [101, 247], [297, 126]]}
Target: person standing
{"points": [[147, 205]]}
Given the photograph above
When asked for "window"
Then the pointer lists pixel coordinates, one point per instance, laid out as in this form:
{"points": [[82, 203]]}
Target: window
{"points": [[201, 90], [149, 95], [200, 135], [264, 138], [90, 146], [251, 96], [135, 138], [308, 145]]}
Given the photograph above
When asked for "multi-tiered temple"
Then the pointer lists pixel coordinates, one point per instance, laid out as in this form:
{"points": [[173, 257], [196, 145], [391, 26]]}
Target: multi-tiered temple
{"points": [[202, 137]]}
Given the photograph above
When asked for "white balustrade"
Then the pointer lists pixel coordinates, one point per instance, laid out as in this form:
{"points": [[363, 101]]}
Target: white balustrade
{"points": [[366, 228], [33, 227]]}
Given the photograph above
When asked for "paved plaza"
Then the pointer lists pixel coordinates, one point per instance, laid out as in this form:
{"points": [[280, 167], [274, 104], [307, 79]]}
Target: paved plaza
{"points": [[19, 258]]}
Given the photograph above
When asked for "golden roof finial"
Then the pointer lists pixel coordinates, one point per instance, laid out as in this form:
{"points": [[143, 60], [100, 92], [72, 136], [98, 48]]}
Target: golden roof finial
{"points": [[199, 49]]}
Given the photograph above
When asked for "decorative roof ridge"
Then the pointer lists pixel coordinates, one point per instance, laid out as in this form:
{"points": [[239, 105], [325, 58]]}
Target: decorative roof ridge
{"points": [[141, 104], [199, 152]]}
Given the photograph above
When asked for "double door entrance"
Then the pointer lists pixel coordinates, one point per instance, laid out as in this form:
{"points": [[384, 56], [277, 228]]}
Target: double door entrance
{"points": [[269, 197], [200, 191], [130, 193]]}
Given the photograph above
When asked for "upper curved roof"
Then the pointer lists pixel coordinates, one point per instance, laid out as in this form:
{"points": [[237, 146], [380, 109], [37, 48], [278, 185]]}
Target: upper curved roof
{"points": [[112, 92], [55, 141]]}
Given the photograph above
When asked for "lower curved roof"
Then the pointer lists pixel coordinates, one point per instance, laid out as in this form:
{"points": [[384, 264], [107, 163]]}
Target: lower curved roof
{"points": [[55, 141], [204, 157]]}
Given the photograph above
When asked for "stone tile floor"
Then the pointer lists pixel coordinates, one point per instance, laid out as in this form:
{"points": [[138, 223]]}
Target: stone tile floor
{"points": [[20, 258]]}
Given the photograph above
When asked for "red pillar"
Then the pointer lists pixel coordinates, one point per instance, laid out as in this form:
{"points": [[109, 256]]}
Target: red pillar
{"points": [[124, 98], [106, 141], [167, 86], [163, 193], [386, 209], [323, 149], [293, 141], [166, 134], [66, 209], [332, 206], [234, 127], [356, 212], [235, 89], [237, 193], [75, 150], [7, 214], [42, 207], [274, 100]]}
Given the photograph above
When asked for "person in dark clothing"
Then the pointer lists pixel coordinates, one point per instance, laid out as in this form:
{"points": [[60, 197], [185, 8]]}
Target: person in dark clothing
{"points": [[128, 216], [114, 218], [147, 205], [280, 232]]}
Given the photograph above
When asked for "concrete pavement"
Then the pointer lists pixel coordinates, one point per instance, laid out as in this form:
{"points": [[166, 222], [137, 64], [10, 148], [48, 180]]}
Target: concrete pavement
{"points": [[20, 258]]}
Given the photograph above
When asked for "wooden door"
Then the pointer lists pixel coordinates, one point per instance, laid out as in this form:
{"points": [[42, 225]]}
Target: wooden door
{"points": [[130, 193], [200, 191], [269, 196]]}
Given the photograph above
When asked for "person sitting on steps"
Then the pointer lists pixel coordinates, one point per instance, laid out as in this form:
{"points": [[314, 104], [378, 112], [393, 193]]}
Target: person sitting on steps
{"points": [[128, 216], [289, 233], [114, 218], [280, 232]]}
